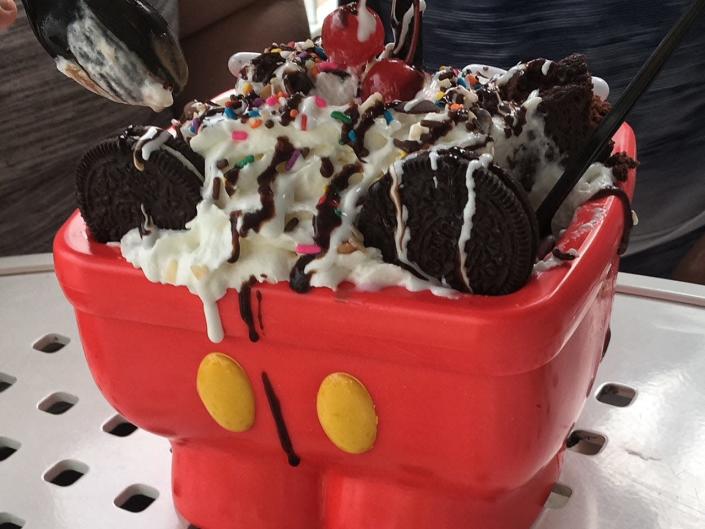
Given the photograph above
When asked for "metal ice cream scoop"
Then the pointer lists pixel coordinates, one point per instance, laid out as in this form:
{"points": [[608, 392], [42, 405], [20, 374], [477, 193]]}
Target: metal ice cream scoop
{"points": [[119, 49]]}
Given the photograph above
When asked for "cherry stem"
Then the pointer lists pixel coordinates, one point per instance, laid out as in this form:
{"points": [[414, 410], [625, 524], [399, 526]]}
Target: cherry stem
{"points": [[417, 33]]}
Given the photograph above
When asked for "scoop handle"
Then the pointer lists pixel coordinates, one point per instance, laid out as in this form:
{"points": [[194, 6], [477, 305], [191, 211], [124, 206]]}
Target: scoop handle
{"points": [[577, 165]]}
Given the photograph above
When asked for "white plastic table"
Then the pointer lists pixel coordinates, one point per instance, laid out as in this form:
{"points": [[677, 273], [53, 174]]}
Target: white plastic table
{"points": [[640, 466]]}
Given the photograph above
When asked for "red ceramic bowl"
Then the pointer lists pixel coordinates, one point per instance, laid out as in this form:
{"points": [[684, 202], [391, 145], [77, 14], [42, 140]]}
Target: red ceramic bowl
{"points": [[474, 396]]}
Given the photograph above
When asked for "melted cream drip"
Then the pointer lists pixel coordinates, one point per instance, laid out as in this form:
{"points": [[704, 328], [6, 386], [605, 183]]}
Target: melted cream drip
{"points": [[366, 22], [469, 211]]}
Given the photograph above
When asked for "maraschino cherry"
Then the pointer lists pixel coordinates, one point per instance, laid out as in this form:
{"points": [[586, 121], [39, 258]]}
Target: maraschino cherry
{"points": [[353, 34], [395, 79]]}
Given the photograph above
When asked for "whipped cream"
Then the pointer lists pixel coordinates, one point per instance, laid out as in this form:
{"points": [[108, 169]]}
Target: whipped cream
{"points": [[295, 170]]}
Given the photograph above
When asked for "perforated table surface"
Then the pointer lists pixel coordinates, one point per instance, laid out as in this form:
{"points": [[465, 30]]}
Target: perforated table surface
{"points": [[68, 461]]}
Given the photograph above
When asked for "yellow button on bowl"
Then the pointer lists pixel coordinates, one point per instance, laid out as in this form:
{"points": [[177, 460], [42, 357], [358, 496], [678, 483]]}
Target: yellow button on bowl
{"points": [[347, 413], [226, 392]]}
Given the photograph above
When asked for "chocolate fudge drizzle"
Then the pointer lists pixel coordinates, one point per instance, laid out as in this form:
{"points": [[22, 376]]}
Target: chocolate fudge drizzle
{"points": [[235, 237], [327, 168], [254, 220], [366, 121], [437, 129], [245, 302], [354, 114], [628, 219], [282, 430], [259, 310], [299, 280], [328, 217], [292, 104]]}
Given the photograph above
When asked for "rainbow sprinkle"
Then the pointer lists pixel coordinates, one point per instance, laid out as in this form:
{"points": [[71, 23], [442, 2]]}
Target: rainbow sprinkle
{"points": [[388, 116], [320, 102], [341, 117], [272, 101], [304, 122], [462, 82], [230, 113], [440, 95], [240, 135], [352, 136], [247, 160], [308, 249], [254, 114], [292, 161], [256, 123]]}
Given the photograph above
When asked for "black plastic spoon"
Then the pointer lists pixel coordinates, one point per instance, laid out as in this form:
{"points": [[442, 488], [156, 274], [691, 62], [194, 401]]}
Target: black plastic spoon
{"points": [[119, 49], [609, 126]]}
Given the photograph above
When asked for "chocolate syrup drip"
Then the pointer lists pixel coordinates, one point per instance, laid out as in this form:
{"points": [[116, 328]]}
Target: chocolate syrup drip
{"points": [[366, 121], [291, 225], [245, 298], [422, 107], [563, 256], [254, 220], [408, 146], [232, 176], [213, 111], [354, 115], [292, 104], [327, 168], [436, 133], [328, 217], [217, 183], [432, 124], [628, 220], [299, 280], [222, 164], [438, 129], [282, 430], [265, 65], [235, 237], [259, 310]]}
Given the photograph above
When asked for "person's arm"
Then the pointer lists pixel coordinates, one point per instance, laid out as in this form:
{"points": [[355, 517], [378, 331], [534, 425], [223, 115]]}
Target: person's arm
{"points": [[8, 13], [211, 32]]}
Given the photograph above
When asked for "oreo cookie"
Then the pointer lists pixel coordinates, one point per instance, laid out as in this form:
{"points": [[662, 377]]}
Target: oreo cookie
{"points": [[116, 187], [420, 217]]}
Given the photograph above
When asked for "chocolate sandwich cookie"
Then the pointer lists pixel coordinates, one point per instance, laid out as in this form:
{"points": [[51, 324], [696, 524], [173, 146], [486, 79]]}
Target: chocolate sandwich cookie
{"points": [[455, 218], [116, 186]]}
